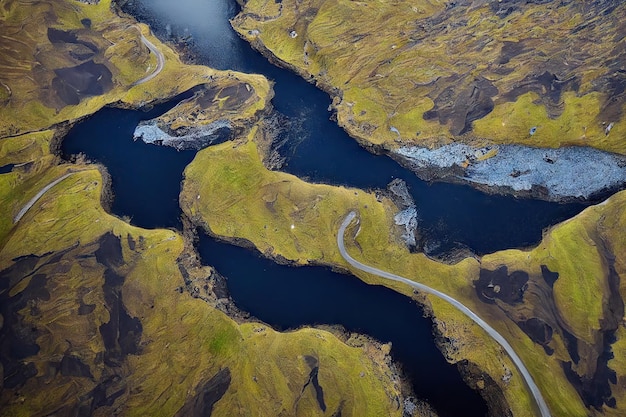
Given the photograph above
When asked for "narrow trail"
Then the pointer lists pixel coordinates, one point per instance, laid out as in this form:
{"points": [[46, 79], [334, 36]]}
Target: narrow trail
{"points": [[159, 56], [530, 383], [37, 196]]}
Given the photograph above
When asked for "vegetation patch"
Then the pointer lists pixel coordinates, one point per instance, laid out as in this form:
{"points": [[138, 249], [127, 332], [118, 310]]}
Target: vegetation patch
{"points": [[229, 192], [218, 110], [95, 305], [72, 58], [429, 72], [94, 316]]}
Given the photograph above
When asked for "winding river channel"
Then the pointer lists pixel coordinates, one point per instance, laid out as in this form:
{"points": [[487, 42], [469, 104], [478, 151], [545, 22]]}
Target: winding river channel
{"points": [[146, 183]]}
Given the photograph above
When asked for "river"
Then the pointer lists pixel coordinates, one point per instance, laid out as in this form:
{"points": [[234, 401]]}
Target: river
{"points": [[146, 183]]}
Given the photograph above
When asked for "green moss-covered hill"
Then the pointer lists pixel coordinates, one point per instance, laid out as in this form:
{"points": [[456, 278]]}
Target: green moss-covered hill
{"points": [[97, 316], [428, 72], [560, 304], [95, 321], [64, 59]]}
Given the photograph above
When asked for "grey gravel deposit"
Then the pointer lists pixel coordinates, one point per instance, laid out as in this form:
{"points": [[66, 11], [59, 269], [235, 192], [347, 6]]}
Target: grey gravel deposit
{"points": [[196, 137], [407, 216], [408, 219], [559, 174]]}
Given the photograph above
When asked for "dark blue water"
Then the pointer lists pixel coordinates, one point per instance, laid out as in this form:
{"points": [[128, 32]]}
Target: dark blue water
{"points": [[288, 298], [6, 168], [145, 178], [451, 216], [146, 182]]}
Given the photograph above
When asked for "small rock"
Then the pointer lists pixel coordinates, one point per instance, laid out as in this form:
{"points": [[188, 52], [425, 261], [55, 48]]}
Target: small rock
{"points": [[507, 376]]}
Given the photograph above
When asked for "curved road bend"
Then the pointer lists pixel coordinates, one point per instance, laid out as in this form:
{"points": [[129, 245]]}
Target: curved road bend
{"points": [[534, 390], [37, 196], [159, 56]]}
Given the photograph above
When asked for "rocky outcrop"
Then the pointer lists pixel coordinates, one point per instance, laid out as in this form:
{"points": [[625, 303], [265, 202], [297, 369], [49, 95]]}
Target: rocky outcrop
{"points": [[218, 111], [196, 137], [551, 174]]}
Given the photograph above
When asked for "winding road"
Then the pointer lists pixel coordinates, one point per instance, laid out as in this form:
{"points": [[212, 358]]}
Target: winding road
{"points": [[159, 56], [534, 390], [37, 196]]}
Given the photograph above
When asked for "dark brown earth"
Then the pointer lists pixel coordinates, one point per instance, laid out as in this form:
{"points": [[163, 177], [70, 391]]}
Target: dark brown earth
{"points": [[122, 334], [549, 276], [73, 366], [62, 36], [235, 95], [313, 363], [17, 340], [529, 301], [501, 285], [539, 331], [102, 375], [210, 393], [462, 106], [595, 389], [87, 79], [548, 87], [19, 351]]}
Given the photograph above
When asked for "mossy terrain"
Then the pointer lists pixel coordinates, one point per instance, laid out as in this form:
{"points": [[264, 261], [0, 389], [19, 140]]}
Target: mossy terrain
{"points": [[30, 155], [218, 110], [559, 304], [95, 320], [429, 72], [572, 303], [231, 99], [96, 315], [66, 59]]}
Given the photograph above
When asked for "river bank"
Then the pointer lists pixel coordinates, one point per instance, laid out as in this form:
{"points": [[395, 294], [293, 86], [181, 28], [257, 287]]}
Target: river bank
{"points": [[291, 202], [444, 107], [559, 175], [95, 316]]}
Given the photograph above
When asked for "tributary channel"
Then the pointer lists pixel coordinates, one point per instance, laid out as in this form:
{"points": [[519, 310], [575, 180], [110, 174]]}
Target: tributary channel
{"points": [[146, 183]]}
